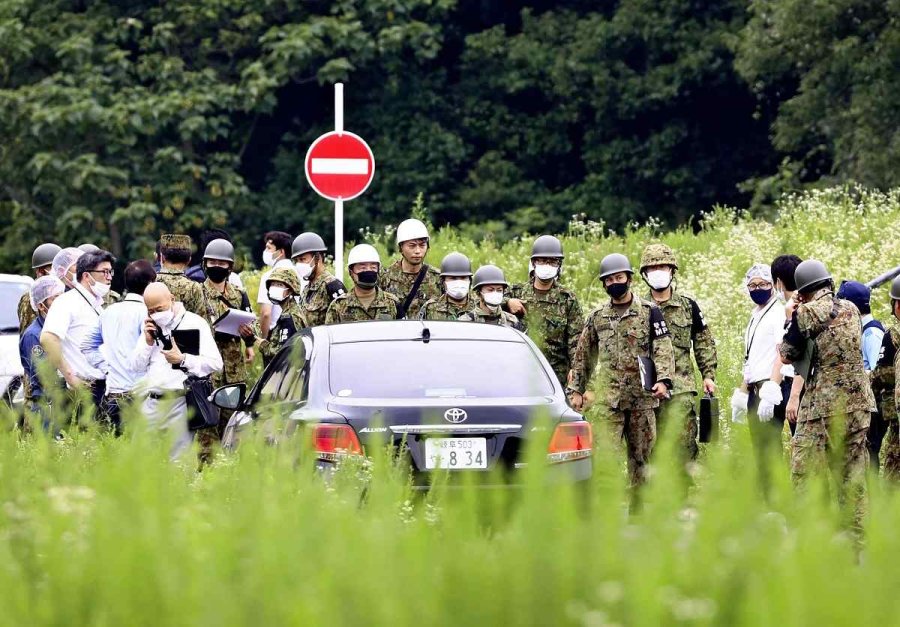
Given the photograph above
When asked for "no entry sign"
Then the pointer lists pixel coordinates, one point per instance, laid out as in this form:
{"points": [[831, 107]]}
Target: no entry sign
{"points": [[339, 165]]}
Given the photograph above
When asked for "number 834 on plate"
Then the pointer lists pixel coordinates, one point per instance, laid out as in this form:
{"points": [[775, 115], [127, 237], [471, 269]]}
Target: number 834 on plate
{"points": [[455, 453]]}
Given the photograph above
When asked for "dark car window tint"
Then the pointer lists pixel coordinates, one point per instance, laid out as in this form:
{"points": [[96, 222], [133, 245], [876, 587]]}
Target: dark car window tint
{"points": [[459, 368], [10, 293], [285, 371]]}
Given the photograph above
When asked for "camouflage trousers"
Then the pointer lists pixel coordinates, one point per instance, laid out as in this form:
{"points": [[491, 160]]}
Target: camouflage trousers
{"points": [[637, 428], [677, 417], [891, 448], [835, 449], [208, 438]]}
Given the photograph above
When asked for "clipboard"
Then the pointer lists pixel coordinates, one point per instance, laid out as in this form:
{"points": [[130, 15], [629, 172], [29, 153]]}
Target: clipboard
{"points": [[230, 321]]}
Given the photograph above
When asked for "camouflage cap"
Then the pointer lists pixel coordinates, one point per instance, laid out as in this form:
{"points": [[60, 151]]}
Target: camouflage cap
{"points": [[658, 255], [176, 241], [288, 276]]}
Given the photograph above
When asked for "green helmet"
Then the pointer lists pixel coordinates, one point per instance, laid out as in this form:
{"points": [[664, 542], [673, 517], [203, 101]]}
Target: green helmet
{"points": [[658, 255], [613, 264], [810, 274], [307, 243], [547, 246], [219, 249], [288, 276], [488, 275], [456, 264], [43, 255], [89, 248], [895, 288]]}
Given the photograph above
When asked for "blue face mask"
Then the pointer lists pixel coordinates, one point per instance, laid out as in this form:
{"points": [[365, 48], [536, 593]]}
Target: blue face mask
{"points": [[761, 297]]}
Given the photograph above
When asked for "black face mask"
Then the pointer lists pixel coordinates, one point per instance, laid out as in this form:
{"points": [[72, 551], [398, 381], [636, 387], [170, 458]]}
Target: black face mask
{"points": [[367, 279], [617, 290], [217, 274]]}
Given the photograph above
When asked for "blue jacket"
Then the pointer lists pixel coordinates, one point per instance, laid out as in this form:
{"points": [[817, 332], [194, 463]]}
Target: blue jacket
{"points": [[30, 353]]}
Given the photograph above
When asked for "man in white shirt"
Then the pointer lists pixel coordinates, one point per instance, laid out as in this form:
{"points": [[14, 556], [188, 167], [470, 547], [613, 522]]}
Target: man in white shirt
{"points": [[74, 318], [111, 344], [276, 254], [165, 371]]}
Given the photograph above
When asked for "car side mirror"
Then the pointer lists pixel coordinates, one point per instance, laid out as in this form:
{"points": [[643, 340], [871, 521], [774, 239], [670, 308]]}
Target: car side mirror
{"points": [[229, 396]]}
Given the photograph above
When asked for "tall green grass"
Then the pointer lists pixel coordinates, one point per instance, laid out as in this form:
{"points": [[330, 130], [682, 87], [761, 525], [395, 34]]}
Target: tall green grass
{"points": [[95, 530]]}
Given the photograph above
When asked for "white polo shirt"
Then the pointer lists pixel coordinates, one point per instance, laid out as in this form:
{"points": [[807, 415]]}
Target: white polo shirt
{"points": [[72, 318], [761, 339]]}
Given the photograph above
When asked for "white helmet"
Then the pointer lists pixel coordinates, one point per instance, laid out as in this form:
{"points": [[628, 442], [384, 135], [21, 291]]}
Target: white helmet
{"points": [[363, 253], [411, 229]]}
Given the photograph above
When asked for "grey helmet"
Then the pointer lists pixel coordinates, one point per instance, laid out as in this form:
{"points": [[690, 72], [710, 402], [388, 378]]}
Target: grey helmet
{"points": [[809, 274], [43, 255], [219, 249], [488, 275], [547, 246], [88, 248], [614, 264], [307, 243], [895, 288], [456, 264]]}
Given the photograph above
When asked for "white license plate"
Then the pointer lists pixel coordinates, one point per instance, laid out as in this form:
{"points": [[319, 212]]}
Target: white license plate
{"points": [[455, 453]]}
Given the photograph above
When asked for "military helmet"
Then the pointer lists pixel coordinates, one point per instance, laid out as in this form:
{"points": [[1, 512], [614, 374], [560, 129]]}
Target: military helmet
{"points": [[43, 255], [547, 246], [288, 276], [411, 229], [613, 264], [219, 249], [895, 288], [488, 275], [456, 264], [89, 248], [809, 274], [363, 253], [658, 255], [307, 243]]}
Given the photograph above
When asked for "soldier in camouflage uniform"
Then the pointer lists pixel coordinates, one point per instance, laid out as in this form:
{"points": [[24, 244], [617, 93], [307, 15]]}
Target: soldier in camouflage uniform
{"points": [[219, 295], [456, 280], [489, 286], [308, 254], [838, 402], [887, 389], [283, 285], [174, 256], [688, 330], [366, 301], [616, 334], [554, 317], [400, 278]]}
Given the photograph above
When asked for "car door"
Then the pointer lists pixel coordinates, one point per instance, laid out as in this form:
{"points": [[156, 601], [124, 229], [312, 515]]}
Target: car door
{"points": [[285, 388]]}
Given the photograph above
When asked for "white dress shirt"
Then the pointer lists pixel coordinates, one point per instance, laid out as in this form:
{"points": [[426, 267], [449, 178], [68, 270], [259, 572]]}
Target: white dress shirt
{"points": [[159, 375], [761, 339], [112, 342], [72, 318]]}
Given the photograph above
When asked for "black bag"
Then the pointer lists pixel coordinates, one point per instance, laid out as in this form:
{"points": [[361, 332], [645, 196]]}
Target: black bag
{"points": [[201, 411], [709, 419]]}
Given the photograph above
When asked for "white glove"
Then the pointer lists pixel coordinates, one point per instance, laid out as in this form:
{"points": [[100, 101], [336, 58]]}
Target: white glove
{"points": [[739, 405], [771, 393], [765, 411]]}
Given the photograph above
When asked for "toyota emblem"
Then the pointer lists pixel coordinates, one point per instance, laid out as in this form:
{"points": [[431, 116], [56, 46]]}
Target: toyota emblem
{"points": [[455, 415]]}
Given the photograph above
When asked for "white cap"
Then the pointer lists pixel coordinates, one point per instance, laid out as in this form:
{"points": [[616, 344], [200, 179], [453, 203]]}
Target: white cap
{"points": [[363, 253], [64, 260], [758, 271], [411, 229], [44, 288]]}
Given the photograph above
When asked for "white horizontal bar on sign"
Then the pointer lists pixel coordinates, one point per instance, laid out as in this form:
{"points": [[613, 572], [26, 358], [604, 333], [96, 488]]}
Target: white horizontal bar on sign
{"points": [[340, 166]]}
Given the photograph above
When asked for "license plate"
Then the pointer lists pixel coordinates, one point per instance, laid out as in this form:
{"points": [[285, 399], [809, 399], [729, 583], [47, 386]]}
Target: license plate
{"points": [[455, 453]]}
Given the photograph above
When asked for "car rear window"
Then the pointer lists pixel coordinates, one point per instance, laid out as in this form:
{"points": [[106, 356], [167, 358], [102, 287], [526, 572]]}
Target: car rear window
{"points": [[10, 293], [438, 369]]}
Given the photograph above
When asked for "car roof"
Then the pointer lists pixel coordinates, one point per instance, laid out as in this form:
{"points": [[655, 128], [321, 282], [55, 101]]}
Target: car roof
{"points": [[16, 278], [393, 330]]}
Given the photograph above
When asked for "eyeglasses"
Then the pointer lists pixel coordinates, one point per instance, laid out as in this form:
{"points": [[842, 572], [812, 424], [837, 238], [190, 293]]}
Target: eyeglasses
{"points": [[109, 273], [758, 286]]}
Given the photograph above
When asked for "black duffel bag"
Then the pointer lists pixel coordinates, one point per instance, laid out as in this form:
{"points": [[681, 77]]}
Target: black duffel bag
{"points": [[201, 411]]}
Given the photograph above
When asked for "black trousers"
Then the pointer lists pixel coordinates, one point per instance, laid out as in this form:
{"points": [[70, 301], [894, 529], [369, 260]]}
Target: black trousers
{"points": [[878, 428], [766, 436]]}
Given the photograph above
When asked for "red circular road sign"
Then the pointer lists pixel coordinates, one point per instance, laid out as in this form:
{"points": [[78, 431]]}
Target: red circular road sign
{"points": [[340, 166]]}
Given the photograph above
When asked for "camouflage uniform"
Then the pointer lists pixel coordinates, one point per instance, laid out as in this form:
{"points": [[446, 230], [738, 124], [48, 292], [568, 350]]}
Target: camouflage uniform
{"points": [[289, 322], [689, 330], [554, 321], [397, 282], [318, 297], [348, 308], [887, 392], [444, 309], [501, 318], [188, 293], [617, 342], [27, 315], [837, 395], [112, 297]]}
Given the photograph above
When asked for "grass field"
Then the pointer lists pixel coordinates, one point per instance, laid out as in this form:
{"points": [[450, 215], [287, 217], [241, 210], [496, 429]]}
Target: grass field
{"points": [[101, 531]]}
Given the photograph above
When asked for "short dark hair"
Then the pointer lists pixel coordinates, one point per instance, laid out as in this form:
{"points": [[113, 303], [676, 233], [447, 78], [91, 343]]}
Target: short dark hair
{"points": [[281, 241], [138, 275], [174, 255], [89, 261], [783, 268]]}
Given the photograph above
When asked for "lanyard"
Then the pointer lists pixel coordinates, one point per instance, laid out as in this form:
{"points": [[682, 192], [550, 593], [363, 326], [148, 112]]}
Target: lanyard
{"points": [[748, 338]]}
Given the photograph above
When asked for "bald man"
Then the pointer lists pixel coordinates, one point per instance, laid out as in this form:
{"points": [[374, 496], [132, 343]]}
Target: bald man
{"points": [[165, 370]]}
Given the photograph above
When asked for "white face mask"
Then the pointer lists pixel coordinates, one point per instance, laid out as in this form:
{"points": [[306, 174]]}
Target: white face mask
{"points": [[277, 294], [458, 288], [100, 289], [659, 279], [269, 258], [303, 270], [493, 298], [545, 272], [163, 318]]}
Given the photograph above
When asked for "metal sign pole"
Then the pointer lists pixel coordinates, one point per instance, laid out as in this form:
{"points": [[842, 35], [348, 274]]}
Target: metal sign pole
{"points": [[339, 204]]}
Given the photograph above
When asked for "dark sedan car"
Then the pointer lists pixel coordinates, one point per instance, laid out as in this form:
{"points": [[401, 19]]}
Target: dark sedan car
{"points": [[451, 395]]}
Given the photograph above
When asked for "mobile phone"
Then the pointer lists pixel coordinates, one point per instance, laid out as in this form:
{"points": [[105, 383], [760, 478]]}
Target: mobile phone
{"points": [[158, 335]]}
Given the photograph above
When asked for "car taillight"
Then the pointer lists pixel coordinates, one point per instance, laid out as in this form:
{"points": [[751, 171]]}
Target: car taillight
{"points": [[570, 441], [332, 442]]}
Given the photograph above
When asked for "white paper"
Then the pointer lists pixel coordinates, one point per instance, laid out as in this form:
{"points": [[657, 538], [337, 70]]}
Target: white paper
{"points": [[233, 320]]}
